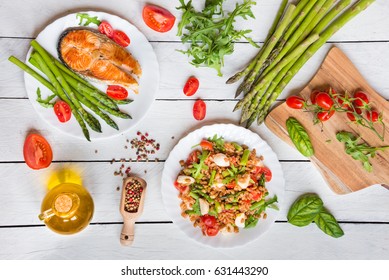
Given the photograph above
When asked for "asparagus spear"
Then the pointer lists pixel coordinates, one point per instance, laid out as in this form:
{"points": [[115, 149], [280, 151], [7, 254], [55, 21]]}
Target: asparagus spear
{"points": [[90, 119], [247, 70], [338, 23]]}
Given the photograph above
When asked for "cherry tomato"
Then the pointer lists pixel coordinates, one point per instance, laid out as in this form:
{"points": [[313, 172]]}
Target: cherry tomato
{"points": [[212, 231], [325, 116], [180, 188], [106, 28], [256, 195], [231, 185], [121, 38], [199, 110], [191, 86], [157, 18], [295, 102], [324, 101], [117, 92], [372, 116], [313, 96], [267, 172], [361, 99], [37, 152], [332, 92], [206, 145], [193, 157], [351, 116], [62, 111], [208, 220]]}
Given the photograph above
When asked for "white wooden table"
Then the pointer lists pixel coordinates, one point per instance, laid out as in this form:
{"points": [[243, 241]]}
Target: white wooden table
{"points": [[364, 216]]}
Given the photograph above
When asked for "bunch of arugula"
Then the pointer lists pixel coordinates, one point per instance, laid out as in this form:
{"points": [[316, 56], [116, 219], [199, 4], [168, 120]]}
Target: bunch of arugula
{"points": [[211, 32]]}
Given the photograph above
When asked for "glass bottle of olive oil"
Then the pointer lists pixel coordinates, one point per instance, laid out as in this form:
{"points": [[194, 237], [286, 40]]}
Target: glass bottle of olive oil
{"points": [[67, 208]]}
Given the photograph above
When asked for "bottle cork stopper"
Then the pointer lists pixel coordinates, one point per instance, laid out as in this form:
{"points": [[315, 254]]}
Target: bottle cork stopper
{"points": [[63, 203]]}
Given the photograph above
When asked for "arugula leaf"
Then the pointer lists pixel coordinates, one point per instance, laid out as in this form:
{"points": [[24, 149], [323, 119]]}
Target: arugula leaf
{"points": [[200, 166], [44, 102], [218, 141], [211, 32], [88, 19]]}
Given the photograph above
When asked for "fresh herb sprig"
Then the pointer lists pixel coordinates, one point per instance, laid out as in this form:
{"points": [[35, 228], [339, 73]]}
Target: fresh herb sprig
{"points": [[211, 32], [88, 19], [359, 151], [218, 141]]}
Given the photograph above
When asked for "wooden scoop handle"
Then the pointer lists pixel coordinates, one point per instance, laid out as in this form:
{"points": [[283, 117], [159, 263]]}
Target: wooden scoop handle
{"points": [[127, 235]]}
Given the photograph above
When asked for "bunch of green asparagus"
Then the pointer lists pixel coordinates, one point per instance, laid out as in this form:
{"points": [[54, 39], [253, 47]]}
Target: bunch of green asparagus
{"points": [[298, 32], [72, 89]]}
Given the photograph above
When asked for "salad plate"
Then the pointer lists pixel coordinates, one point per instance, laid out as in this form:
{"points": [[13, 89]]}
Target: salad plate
{"points": [[139, 47], [181, 151]]}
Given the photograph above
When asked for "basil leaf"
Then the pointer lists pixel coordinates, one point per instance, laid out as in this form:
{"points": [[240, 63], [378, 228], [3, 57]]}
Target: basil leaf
{"points": [[250, 222], [299, 137], [304, 210], [328, 224]]}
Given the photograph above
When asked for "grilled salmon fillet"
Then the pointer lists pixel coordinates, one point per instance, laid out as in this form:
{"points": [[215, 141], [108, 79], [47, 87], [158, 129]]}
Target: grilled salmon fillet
{"points": [[95, 56]]}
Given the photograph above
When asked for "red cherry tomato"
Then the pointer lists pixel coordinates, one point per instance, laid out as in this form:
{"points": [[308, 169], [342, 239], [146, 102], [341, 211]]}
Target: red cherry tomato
{"points": [[372, 116], [208, 220], [199, 110], [324, 101], [351, 116], [325, 116], [117, 92], [361, 99], [37, 152], [231, 185], [256, 196], [191, 86], [121, 38], [295, 102], [267, 172], [62, 111], [313, 96], [206, 145], [212, 231], [106, 28], [179, 187], [157, 18], [193, 157]]}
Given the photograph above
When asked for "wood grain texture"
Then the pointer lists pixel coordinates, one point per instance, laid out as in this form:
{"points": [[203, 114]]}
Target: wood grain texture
{"points": [[342, 173]]}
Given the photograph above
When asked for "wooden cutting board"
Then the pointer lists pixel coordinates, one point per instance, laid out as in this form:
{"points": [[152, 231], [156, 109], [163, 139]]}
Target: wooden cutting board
{"points": [[342, 173]]}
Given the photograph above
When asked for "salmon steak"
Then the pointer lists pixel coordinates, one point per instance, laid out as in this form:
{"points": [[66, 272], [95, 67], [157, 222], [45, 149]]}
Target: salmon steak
{"points": [[95, 56]]}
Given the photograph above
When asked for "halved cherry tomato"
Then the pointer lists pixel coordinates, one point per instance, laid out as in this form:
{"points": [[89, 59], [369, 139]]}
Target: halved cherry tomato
{"points": [[62, 111], [324, 101], [313, 96], [231, 185], [208, 220], [256, 195], [179, 187], [157, 18], [37, 152], [212, 231], [361, 99], [325, 115], [267, 172], [117, 92], [191, 86], [372, 116], [121, 38], [193, 157], [295, 102], [206, 145], [199, 110], [106, 28]]}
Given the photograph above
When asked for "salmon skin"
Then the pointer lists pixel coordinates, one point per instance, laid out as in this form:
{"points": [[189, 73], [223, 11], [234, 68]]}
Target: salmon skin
{"points": [[95, 56]]}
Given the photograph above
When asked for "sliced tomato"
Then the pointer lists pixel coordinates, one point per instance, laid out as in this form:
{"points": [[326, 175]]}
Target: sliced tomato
{"points": [[158, 18], [206, 145], [106, 28], [37, 152], [121, 38], [193, 157], [63, 111], [256, 195], [231, 185], [325, 115], [191, 86], [212, 231], [199, 110], [180, 188], [208, 220], [117, 92]]}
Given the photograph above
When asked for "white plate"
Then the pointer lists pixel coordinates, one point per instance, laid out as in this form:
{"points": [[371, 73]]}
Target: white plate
{"points": [[140, 49], [183, 149]]}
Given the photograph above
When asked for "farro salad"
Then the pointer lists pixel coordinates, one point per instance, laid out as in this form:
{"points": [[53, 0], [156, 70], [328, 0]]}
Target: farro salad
{"points": [[222, 187]]}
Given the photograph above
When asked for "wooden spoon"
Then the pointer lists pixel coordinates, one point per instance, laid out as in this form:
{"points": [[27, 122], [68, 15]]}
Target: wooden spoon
{"points": [[129, 218]]}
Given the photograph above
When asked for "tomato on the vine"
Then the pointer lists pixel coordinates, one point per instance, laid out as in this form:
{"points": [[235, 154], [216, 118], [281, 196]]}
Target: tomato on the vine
{"points": [[361, 99], [295, 102], [325, 115], [313, 96], [372, 116], [324, 101]]}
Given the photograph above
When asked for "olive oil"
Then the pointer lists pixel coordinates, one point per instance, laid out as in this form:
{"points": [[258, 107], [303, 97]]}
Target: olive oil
{"points": [[67, 208]]}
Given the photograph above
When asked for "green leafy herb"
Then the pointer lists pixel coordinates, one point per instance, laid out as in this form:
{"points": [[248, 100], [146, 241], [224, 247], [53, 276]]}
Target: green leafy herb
{"points": [[44, 102], [211, 32], [304, 210], [299, 137], [88, 19], [200, 166], [219, 142], [359, 151], [328, 224]]}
